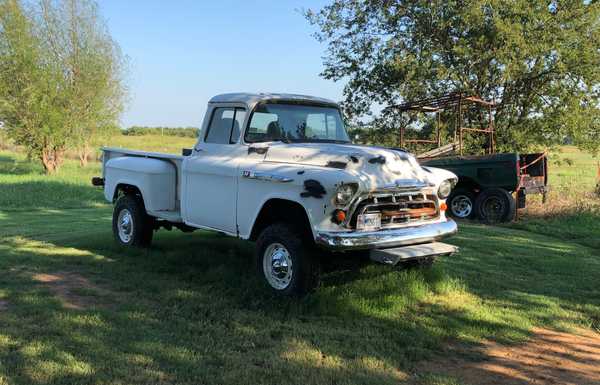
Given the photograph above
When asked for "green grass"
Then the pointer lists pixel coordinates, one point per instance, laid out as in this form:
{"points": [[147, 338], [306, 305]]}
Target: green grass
{"points": [[191, 311], [572, 210], [571, 169], [23, 185]]}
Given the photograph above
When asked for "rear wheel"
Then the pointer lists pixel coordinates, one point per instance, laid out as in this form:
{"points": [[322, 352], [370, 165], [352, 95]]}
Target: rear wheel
{"points": [[495, 205], [284, 261], [461, 203], [132, 226]]}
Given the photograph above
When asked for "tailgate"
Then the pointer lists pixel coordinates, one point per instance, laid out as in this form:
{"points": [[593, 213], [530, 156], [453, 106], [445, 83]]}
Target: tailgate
{"points": [[534, 172]]}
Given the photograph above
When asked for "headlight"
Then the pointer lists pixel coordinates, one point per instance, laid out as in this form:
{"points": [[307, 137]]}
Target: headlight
{"points": [[344, 193], [445, 188]]}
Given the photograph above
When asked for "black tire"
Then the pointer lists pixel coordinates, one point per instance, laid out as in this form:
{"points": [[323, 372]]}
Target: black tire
{"points": [[461, 203], [305, 269], [142, 225], [495, 205]]}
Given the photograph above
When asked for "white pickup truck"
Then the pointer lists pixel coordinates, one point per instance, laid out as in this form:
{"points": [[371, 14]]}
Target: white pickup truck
{"points": [[280, 170]]}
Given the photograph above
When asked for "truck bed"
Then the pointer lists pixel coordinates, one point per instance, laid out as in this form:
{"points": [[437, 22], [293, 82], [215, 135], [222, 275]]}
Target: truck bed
{"points": [[497, 170], [509, 171], [111, 153]]}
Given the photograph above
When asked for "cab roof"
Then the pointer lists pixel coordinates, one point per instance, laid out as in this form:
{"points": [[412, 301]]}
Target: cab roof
{"points": [[251, 99]]}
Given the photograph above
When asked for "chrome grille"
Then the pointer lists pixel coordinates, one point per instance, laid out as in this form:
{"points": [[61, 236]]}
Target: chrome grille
{"points": [[397, 208]]}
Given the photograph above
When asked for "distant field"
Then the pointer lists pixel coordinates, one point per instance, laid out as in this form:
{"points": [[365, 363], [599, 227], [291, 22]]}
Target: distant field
{"points": [[572, 209], [157, 143], [571, 168], [77, 309]]}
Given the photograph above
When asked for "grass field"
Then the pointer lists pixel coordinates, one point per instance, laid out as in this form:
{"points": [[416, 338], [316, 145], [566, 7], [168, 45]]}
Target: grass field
{"points": [[76, 309]]}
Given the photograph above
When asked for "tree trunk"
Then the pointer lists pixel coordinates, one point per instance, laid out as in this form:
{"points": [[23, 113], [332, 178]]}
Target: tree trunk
{"points": [[52, 159], [84, 155]]}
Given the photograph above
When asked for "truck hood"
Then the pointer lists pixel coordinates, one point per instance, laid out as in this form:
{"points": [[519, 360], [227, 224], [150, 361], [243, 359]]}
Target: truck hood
{"points": [[376, 166]]}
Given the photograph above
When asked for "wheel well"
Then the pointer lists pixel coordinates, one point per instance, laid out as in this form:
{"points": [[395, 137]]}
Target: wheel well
{"points": [[126, 189], [467, 184], [281, 210]]}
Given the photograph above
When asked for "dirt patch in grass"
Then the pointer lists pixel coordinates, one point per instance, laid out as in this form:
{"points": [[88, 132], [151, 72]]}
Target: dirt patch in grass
{"points": [[3, 305], [549, 357], [74, 290]]}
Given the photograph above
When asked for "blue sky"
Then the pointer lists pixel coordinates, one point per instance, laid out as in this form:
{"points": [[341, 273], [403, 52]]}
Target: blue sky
{"points": [[183, 52]]}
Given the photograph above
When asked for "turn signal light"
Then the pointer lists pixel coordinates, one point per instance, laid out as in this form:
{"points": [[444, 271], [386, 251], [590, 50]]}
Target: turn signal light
{"points": [[443, 207], [339, 216]]}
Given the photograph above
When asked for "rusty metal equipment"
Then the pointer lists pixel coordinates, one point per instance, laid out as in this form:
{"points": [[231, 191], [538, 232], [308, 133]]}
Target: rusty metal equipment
{"points": [[457, 101]]}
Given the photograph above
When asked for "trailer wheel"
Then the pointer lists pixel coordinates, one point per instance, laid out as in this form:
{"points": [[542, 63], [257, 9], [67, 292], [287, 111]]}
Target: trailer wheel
{"points": [[495, 205], [132, 226], [285, 262], [461, 203]]}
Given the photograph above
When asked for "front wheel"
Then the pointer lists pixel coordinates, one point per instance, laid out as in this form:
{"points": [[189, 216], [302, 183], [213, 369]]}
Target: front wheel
{"points": [[285, 262], [132, 226]]}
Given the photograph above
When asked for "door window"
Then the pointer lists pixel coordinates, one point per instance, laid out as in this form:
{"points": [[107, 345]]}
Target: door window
{"points": [[224, 127]]}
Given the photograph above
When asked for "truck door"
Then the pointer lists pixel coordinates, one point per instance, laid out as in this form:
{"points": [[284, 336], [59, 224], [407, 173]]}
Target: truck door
{"points": [[211, 175]]}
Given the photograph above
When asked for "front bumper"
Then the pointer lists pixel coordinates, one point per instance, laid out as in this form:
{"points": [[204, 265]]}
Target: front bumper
{"points": [[381, 239]]}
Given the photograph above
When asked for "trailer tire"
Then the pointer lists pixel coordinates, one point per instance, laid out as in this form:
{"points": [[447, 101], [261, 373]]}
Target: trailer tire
{"points": [[287, 265], [495, 205], [461, 203], [132, 226]]}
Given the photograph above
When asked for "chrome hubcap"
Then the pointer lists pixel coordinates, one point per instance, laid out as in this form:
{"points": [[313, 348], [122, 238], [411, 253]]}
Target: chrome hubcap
{"points": [[277, 266], [125, 225], [462, 206]]}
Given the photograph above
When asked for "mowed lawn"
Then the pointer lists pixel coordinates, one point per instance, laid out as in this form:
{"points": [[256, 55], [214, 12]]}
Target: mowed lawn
{"points": [[77, 309]]}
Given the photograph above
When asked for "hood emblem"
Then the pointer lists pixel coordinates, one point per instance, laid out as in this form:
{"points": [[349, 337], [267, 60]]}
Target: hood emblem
{"points": [[407, 184]]}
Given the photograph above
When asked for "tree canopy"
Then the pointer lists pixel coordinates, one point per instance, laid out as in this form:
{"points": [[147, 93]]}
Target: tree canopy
{"points": [[61, 76], [538, 60]]}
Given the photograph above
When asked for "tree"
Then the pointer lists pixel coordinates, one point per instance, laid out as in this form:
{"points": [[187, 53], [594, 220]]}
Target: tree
{"points": [[28, 92], [72, 77], [538, 60], [92, 64]]}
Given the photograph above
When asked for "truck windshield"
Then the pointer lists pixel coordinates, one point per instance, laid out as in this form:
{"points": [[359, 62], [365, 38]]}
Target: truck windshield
{"points": [[295, 123]]}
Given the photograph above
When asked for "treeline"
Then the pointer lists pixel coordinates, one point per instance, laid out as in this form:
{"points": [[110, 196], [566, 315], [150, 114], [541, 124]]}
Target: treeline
{"points": [[184, 132], [61, 77]]}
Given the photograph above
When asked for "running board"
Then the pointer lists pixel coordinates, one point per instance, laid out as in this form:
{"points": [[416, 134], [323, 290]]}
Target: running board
{"points": [[171, 216], [404, 253]]}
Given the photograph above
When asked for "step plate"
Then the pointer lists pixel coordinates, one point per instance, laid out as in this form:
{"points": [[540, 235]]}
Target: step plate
{"points": [[404, 253]]}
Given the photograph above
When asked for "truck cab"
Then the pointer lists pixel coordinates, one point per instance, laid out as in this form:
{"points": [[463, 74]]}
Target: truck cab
{"points": [[280, 170]]}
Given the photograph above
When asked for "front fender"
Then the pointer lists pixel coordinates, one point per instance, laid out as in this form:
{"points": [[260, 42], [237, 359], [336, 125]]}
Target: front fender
{"points": [[286, 182]]}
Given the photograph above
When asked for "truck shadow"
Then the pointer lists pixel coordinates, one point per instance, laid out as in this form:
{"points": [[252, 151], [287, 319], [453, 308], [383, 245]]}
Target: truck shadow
{"points": [[191, 310]]}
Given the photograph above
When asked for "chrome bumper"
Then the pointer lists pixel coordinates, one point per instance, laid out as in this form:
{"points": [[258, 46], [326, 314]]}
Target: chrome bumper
{"points": [[382, 239]]}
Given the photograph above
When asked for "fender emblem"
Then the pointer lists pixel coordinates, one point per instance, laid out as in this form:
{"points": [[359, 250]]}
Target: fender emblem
{"points": [[265, 176]]}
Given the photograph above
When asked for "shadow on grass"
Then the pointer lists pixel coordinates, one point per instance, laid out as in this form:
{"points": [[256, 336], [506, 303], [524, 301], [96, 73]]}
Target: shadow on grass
{"points": [[47, 194], [10, 166], [190, 310]]}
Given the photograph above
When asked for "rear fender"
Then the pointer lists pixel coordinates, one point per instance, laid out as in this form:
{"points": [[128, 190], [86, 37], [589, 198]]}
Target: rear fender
{"points": [[154, 178]]}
